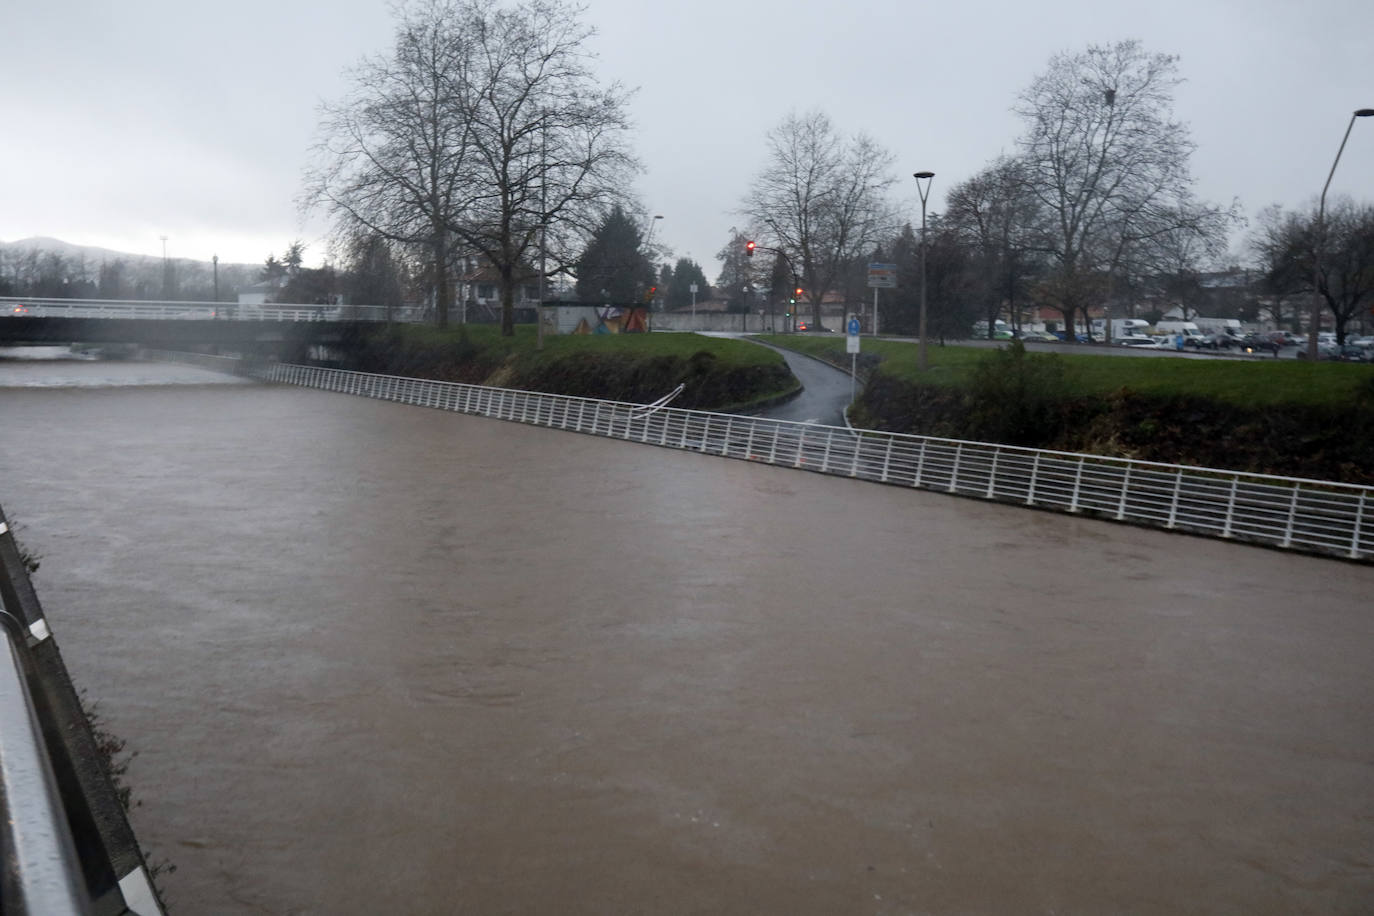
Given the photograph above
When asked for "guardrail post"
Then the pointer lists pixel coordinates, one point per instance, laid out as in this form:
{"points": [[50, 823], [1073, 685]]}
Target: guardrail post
{"points": [[887, 458], [920, 464], [1230, 506], [1077, 485], [749, 442], [1125, 489], [954, 475], [1292, 517], [858, 450], [992, 475], [705, 434], [825, 456], [1035, 476], [1359, 523], [1173, 504]]}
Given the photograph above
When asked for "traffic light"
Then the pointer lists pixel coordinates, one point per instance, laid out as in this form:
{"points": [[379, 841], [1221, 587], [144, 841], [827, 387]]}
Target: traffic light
{"points": [[649, 296], [799, 292], [749, 248]]}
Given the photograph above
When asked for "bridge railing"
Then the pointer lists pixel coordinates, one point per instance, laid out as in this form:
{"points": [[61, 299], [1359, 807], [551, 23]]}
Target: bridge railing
{"points": [[17, 307], [1296, 513]]}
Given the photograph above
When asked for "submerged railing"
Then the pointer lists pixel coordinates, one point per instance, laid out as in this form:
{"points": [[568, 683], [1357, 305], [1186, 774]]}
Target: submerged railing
{"points": [[1309, 515]]}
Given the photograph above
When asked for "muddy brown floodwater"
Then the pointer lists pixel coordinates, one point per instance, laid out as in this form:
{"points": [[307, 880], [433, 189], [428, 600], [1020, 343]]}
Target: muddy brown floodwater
{"points": [[382, 659]]}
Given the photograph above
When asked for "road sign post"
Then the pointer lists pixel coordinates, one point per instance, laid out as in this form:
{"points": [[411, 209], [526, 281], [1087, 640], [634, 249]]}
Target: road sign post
{"points": [[880, 276], [851, 346]]}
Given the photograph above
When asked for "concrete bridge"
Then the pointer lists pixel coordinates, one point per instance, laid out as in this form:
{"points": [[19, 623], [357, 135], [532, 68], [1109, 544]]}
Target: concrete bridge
{"points": [[172, 325]]}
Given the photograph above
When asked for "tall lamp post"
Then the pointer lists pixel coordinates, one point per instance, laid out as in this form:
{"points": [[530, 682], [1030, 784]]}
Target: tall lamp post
{"points": [[922, 361], [1315, 318], [166, 274]]}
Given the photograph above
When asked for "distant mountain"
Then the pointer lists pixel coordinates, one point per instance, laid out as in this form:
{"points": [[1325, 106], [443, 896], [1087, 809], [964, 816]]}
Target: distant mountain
{"points": [[92, 253]]}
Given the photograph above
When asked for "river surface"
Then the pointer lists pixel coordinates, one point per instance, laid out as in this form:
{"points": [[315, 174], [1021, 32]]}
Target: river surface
{"points": [[383, 659]]}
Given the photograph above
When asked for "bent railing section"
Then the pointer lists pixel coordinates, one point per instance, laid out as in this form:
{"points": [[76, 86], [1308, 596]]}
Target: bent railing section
{"points": [[1295, 513], [67, 845]]}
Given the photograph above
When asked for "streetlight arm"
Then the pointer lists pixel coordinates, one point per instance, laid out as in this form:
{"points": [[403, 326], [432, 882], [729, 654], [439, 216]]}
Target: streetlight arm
{"points": [[1331, 174], [1313, 351]]}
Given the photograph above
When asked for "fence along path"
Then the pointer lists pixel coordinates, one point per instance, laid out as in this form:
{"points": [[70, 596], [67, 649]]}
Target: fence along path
{"points": [[1314, 516]]}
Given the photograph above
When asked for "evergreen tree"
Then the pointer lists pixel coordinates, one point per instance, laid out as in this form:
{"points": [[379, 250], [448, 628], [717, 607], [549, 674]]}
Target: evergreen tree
{"points": [[613, 268], [685, 274]]}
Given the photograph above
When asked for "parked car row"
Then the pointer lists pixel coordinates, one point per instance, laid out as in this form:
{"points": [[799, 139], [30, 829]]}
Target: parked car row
{"points": [[1357, 349]]}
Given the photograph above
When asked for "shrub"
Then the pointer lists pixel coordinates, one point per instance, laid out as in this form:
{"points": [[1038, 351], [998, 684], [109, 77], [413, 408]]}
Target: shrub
{"points": [[1017, 397]]}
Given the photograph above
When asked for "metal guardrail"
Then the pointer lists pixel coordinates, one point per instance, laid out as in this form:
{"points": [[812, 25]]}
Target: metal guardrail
{"points": [[66, 846], [42, 871], [1315, 516], [19, 307]]}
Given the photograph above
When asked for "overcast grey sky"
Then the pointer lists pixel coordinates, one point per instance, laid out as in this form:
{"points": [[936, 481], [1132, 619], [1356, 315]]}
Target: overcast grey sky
{"points": [[124, 122]]}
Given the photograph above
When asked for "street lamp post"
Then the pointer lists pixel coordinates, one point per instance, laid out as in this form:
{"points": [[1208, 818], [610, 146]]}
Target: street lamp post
{"points": [[789, 320], [166, 275], [1314, 322], [922, 361]]}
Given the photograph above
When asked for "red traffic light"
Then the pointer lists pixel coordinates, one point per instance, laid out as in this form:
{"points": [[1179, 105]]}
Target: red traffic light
{"points": [[799, 292], [749, 248]]}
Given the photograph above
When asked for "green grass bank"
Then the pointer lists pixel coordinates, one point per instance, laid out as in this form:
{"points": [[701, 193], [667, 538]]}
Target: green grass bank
{"points": [[719, 374], [1288, 417]]}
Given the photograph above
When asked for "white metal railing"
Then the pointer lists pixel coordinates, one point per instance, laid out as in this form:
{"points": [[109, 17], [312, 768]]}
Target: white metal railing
{"points": [[1295, 513], [19, 307]]}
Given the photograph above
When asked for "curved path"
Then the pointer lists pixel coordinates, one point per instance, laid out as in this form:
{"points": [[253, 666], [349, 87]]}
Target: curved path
{"points": [[826, 391]]}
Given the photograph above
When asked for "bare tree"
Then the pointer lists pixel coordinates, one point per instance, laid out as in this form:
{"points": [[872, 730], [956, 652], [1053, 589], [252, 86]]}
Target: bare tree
{"points": [[391, 155], [821, 197], [484, 128], [1108, 166], [994, 213], [1286, 247]]}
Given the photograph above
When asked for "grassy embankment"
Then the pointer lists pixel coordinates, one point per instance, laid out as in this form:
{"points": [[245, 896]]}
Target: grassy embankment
{"points": [[720, 374], [1272, 416]]}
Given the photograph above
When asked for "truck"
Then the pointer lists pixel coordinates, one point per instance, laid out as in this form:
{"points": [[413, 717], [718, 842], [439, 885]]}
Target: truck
{"points": [[1230, 326], [1121, 327], [1189, 330]]}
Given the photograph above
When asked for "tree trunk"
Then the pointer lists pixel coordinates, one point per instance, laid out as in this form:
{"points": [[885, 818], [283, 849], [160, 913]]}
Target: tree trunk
{"points": [[443, 291], [507, 303]]}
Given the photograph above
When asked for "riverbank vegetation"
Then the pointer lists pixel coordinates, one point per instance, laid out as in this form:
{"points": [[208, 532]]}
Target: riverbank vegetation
{"points": [[719, 373], [1288, 417]]}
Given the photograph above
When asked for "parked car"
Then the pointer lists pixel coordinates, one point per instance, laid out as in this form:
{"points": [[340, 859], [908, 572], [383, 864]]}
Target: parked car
{"points": [[1355, 353], [1038, 335], [1324, 351], [1256, 343], [1134, 340], [1218, 340]]}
